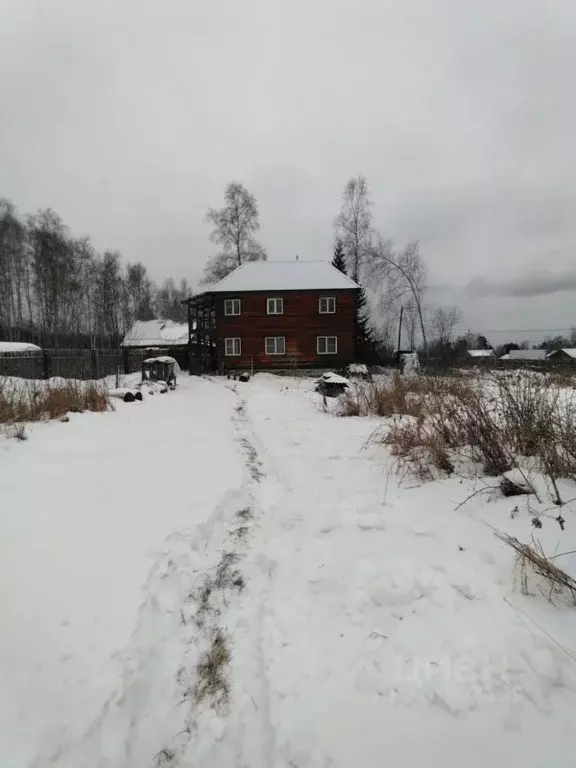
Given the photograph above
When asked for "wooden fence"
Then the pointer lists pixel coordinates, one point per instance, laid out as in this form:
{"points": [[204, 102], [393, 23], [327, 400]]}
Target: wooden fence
{"points": [[71, 363]]}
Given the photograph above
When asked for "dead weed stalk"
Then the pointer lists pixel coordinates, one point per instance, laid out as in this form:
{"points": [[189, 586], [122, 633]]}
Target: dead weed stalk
{"points": [[533, 560]]}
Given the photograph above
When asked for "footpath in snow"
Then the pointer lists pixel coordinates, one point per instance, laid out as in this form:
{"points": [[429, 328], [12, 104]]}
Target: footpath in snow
{"points": [[92, 511], [373, 624]]}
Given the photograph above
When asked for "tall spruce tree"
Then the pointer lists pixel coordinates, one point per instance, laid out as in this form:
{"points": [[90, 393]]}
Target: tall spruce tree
{"points": [[339, 260], [365, 344]]}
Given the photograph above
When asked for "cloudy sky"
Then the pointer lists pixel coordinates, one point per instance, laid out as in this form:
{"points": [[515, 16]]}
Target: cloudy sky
{"points": [[130, 116]]}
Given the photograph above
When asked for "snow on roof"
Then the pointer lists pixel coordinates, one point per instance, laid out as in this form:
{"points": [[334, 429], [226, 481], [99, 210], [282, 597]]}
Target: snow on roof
{"points": [[481, 352], [160, 359], [525, 354], [571, 352], [17, 346], [333, 378], [283, 276], [156, 333]]}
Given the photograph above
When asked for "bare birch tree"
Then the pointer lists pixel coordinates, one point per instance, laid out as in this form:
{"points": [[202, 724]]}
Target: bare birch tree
{"points": [[234, 226], [14, 268], [354, 225], [403, 276], [443, 321]]}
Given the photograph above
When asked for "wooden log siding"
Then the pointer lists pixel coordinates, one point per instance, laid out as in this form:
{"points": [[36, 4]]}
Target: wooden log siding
{"points": [[301, 323]]}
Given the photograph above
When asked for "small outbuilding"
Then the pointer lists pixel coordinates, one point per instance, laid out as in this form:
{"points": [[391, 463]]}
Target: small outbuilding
{"points": [[160, 337]]}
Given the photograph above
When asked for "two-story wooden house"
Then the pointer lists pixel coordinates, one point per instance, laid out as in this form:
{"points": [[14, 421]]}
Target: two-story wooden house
{"points": [[275, 314]]}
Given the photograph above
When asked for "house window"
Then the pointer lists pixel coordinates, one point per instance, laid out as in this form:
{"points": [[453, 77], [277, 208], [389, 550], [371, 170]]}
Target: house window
{"points": [[275, 345], [275, 306], [327, 305], [327, 345], [232, 306], [232, 347]]}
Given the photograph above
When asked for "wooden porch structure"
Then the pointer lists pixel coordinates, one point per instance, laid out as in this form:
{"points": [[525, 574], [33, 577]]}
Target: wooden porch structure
{"points": [[202, 342]]}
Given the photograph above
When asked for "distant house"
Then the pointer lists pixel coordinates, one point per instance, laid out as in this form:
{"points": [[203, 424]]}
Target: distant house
{"points": [[525, 354], [564, 355], [160, 337], [276, 314], [481, 353]]}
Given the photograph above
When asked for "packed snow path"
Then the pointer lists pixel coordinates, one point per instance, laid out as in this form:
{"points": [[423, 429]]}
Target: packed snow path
{"points": [[90, 510], [378, 625]]}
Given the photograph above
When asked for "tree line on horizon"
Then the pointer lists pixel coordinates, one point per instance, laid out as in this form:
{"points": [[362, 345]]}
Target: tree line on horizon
{"points": [[57, 290]]}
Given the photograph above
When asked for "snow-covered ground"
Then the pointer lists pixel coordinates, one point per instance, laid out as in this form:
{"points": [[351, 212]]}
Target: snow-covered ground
{"points": [[379, 624]]}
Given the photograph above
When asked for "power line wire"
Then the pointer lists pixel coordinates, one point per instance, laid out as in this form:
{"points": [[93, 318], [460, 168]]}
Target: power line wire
{"points": [[525, 330]]}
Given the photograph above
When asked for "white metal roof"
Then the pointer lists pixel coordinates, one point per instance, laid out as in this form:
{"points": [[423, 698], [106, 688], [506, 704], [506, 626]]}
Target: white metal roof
{"points": [[283, 276], [156, 333]]}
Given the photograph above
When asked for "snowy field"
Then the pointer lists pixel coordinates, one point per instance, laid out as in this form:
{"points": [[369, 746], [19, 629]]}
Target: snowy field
{"points": [[379, 623]]}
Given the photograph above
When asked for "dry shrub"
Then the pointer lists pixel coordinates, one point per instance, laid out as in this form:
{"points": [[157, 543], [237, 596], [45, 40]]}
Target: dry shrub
{"points": [[36, 401], [374, 398], [563, 378], [419, 448], [490, 422]]}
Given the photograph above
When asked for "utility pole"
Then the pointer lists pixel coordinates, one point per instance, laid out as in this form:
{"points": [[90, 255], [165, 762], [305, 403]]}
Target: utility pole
{"points": [[400, 327], [399, 336]]}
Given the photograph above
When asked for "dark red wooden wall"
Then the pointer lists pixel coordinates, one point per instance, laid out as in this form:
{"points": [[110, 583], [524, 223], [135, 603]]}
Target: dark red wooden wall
{"points": [[300, 324]]}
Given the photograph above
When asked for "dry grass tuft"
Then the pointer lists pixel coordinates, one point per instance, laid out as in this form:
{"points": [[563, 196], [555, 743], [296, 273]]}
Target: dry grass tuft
{"points": [[224, 579], [165, 757], [38, 401], [18, 431], [532, 560], [212, 683]]}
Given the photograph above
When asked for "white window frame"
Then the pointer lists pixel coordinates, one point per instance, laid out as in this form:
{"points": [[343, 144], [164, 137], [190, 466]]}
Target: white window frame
{"points": [[275, 339], [233, 353], [272, 306], [232, 304], [330, 302], [325, 339]]}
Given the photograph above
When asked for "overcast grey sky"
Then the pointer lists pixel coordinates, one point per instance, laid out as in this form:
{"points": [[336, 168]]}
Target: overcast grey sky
{"points": [[129, 117]]}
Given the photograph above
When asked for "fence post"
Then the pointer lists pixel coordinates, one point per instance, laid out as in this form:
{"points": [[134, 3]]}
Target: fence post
{"points": [[126, 358], [94, 363], [46, 364]]}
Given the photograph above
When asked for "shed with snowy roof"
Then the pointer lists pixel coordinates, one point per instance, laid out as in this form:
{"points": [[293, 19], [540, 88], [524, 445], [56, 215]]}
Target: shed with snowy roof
{"points": [[276, 314], [160, 336]]}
